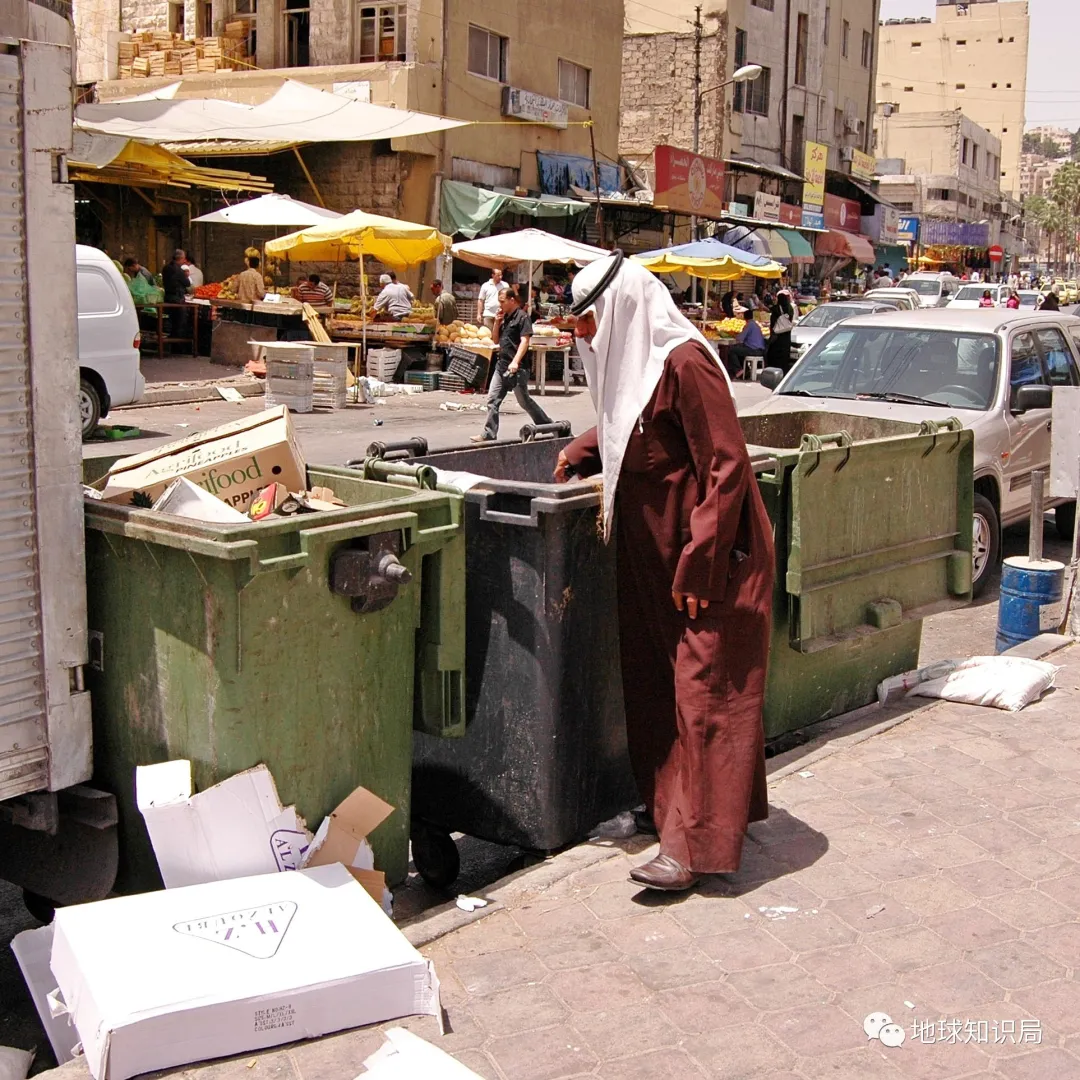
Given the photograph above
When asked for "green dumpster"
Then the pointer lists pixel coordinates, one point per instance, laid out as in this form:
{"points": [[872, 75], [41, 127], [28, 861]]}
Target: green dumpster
{"points": [[872, 522], [296, 642]]}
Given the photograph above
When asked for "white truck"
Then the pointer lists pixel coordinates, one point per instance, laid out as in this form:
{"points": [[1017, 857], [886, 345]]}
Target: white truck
{"points": [[57, 836]]}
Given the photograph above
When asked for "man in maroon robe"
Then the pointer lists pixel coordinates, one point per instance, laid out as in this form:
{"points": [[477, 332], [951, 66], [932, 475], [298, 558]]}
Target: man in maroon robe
{"points": [[695, 567]]}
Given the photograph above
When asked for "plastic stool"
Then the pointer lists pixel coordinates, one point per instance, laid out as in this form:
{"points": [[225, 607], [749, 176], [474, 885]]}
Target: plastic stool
{"points": [[753, 365]]}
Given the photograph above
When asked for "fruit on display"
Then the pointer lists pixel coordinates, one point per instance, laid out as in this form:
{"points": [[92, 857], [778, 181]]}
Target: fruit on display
{"points": [[732, 326], [422, 312], [463, 333], [208, 291]]}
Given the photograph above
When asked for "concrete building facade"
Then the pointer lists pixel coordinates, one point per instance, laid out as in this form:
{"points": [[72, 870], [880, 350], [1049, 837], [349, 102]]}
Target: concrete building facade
{"points": [[405, 55], [949, 170], [1037, 173], [818, 83], [972, 56]]}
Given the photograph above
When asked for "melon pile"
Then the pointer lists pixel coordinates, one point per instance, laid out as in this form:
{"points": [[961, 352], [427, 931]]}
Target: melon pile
{"points": [[463, 333]]}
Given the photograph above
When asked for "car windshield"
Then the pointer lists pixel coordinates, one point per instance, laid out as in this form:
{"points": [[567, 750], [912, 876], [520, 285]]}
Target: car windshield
{"points": [[923, 286], [931, 367], [973, 292], [1028, 298], [828, 314]]}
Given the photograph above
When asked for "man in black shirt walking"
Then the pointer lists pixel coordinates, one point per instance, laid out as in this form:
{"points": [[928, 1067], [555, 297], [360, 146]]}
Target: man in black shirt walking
{"points": [[514, 332]]}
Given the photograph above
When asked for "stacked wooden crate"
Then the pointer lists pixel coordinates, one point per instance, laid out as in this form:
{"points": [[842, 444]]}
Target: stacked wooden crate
{"points": [[156, 54]]}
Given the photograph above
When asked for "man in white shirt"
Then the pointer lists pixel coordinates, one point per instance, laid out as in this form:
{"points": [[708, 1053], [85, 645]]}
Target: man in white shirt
{"points": [[487, 303], [194, 274], [396, 299], [975, 276]]}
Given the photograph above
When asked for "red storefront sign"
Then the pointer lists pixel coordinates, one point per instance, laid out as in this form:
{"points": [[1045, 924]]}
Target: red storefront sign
{"points": [[790, 215], [687, 182], [842, 214]]}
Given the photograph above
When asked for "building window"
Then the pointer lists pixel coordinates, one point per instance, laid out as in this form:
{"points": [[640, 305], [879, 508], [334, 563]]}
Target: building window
{"points": [[297, 16], [828, 20], [845, 36], [909, 89], [246, 11], [204, 18], [382, 32], [838, 125], [965, 147], [975, 157], [737, 100], [939, 194], [993, 86], [867, 48], [487, 54], [798, 142], [1008, 86], [768, 5], [961, 43], [961, 86], [176, 17], [916, 44], [757, 94], [574, 83], [802, 46]]}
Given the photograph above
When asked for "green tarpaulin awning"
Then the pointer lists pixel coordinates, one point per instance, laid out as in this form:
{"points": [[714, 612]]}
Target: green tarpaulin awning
{"points": [[471, 211], [801, 248]]}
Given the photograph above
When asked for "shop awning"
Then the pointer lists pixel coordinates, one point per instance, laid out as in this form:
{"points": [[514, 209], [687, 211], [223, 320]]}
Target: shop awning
{"points": [[869, 192], [845, 245], [763, 168], [471, 210], [766, 242], [895, 256], [800, 248], [116, 159]]}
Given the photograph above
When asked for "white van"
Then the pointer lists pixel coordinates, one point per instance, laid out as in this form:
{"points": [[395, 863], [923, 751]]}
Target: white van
{"points": [[934, 289], [108, 338]]}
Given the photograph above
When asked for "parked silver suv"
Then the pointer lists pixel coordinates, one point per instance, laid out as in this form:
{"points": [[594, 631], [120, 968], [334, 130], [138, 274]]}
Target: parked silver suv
{"points": [[994, 369]]}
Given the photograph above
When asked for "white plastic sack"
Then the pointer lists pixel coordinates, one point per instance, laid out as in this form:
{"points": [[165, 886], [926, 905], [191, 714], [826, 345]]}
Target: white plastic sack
{"points": [[14, 1064], [1002, 682]]}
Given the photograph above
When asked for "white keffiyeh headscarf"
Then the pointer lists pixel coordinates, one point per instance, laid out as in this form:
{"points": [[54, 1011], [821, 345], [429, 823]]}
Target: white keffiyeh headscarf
{"points": [[637, 327]]}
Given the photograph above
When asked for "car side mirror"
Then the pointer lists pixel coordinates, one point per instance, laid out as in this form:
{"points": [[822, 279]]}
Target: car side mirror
{"points": [[1033, 397], [771, 377]]}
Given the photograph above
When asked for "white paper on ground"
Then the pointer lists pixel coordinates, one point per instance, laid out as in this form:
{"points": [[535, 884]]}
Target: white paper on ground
{"points": [[32, 949], [406, 1056], [230, 393], [185, 499], [15, 1064], [237, 828], [170, 977]]}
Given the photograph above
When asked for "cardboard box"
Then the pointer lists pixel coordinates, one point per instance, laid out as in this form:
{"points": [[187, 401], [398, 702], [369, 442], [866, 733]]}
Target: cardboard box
{"points": [[237, 828], [32, 949], [233, 462], [182, 975]]}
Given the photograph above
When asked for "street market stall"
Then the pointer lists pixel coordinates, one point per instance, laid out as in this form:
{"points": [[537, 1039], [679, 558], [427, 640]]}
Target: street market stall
{"points": [[395, 243], [533, 247]]}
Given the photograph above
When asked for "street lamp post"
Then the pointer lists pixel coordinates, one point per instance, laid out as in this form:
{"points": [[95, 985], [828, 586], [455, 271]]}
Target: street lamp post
{"points": [[747, 73]]}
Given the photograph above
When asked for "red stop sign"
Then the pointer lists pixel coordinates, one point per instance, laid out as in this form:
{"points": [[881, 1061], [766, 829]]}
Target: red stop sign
{"points": [[996, 254]]}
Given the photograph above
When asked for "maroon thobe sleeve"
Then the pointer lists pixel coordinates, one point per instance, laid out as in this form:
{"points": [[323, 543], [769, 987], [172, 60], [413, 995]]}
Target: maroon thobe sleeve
{"points": [[717, 447], [584, 454]]}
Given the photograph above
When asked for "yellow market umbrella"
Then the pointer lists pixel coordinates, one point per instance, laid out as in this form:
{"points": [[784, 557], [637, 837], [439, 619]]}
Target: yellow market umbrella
{"points": [[393, 242]]}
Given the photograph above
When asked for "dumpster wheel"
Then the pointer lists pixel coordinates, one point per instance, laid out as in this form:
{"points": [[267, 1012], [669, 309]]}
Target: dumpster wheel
{"points": [[435, 855]]}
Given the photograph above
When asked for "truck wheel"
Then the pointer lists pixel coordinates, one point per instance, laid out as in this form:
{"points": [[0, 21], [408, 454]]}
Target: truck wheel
{"points": [[1065, 519], [986, 544], [89, 407], [435, 855], [41, 907]]}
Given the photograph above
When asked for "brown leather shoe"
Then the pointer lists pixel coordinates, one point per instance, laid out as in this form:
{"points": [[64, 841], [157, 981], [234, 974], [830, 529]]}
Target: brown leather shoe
{"points": [[664, 873]]}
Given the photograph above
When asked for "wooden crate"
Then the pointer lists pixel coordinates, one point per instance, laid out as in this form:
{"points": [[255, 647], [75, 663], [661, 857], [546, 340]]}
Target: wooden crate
{"points": [[140, 67]]}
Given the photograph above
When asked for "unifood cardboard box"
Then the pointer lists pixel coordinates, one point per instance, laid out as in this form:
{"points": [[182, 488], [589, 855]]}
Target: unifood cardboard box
{"points": [[181, 975], [233, 462]]}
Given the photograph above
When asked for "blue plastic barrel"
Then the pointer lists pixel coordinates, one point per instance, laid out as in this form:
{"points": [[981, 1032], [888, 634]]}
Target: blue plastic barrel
{"points": [[1026, 587]]}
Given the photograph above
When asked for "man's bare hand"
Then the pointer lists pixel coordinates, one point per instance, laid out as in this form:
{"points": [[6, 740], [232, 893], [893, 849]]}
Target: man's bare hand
{"points": [[691, 604], [561, 475]]}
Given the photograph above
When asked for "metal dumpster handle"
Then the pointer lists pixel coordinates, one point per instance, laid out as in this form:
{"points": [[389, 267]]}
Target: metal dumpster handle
{"points": [[935, 427], [376, 469], [559, 429], [811, 442], [417, 446]]}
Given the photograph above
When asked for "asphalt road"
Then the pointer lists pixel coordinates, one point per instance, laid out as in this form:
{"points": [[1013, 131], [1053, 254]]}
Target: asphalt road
{"points": [[336, 438]]}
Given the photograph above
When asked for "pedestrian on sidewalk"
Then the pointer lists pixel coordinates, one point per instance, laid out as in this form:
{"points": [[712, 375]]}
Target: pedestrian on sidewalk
{"points": [[695, 567], [513, 332], [487, 302]]}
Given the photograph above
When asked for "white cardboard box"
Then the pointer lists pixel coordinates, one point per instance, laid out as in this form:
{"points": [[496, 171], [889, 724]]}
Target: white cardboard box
{"points": [[237, 828], [32, 949], [183, 975]]}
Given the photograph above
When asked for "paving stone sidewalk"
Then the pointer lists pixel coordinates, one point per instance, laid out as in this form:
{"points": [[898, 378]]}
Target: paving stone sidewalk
{"points": [[930, 872]]}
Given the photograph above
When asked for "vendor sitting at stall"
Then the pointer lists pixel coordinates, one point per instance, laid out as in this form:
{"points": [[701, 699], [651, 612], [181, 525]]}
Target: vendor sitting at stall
{"points": [[250, 287], [445, 304], [312, 290], [133, 268], [396, 300], [750, 342]]}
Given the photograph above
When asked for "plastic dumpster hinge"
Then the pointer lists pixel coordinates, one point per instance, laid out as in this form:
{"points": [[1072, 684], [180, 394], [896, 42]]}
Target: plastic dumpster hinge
{"points": [[371, 575]]}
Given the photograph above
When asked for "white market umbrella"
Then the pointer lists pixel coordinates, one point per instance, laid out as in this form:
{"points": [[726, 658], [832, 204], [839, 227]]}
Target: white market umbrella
{"points": [[270, 210], [525, 246]]}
